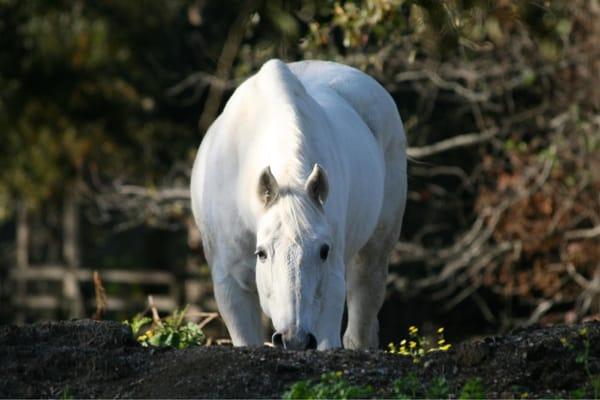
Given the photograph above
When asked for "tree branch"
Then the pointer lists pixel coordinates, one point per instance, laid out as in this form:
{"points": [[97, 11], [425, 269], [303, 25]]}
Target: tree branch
{"points": [[467, 139]]}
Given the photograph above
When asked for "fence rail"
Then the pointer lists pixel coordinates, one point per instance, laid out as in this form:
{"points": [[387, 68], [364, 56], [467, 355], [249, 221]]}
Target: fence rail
{"points": [[58, 272], [61, 273]]}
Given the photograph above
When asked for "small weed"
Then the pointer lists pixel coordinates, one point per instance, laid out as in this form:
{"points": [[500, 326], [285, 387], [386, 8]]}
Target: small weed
{"points": [[331, 386], [438, 388], [416, 346], [407, 386], [577, 393], [473, 389], [66, 394], [170, 331], [583, 358]]}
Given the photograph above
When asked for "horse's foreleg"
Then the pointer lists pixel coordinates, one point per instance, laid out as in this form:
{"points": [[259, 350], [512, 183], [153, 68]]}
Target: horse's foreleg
{"points": [[329, 323], [366, 280], [240, 310]]}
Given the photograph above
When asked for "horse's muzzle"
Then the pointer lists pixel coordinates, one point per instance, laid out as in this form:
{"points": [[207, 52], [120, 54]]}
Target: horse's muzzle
{"points": [[294, 341]]}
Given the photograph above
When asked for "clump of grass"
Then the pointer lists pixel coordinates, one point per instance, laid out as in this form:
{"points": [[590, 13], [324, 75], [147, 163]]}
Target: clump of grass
{"points": [[407, 387], [170, 331], [416, 346], [583, 357], [438, 388], [330, 386], [410, 387], [473, 389], [66, 393]]}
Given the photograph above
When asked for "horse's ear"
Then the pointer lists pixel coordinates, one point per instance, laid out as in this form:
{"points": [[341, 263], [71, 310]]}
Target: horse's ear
{"points": [[268, 189], [317, 186]]}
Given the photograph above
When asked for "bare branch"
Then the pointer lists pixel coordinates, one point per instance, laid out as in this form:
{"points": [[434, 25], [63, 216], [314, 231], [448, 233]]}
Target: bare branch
{"points": [[467, 139], [583, 233]]}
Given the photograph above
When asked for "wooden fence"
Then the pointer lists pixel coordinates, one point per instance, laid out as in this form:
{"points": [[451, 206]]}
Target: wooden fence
{"points": [[61, 274], [69, 286]]}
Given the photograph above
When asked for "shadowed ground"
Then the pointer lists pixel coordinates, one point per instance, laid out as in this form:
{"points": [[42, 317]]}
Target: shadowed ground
{"points": [[101, 359]]}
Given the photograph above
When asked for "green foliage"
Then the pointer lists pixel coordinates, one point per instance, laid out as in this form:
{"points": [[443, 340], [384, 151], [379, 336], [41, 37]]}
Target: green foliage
{"points": [[170, 331], [66, 394], [331, 386], [137, 322], [79, 93], [578, 393], [473, 389], [582, 357], [410, 387], [438, 388], [407, 387], [416, 346]]}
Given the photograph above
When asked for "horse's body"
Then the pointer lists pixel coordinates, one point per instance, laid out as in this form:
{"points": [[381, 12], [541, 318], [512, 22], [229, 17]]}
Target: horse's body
{"points": [[307, 158]]}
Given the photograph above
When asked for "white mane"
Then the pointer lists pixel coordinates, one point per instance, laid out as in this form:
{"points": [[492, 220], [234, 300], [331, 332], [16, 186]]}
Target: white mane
{"points": [[295, 210], [286, 137]]}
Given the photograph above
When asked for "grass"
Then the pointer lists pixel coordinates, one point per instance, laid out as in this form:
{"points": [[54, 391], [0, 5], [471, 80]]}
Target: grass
{"points": [[330, 386], [473, 389], [582, 357]]}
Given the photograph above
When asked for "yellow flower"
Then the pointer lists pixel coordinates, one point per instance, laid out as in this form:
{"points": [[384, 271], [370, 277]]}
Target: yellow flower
{"points": [[403, 342], [413, 344], [445, 347], [149, 333], [441, 342], [413, 329], [440, 330], [338, 373]]}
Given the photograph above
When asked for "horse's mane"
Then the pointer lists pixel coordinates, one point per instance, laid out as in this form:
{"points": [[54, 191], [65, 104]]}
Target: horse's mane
{"points": [[295, 208], [289, 104]]}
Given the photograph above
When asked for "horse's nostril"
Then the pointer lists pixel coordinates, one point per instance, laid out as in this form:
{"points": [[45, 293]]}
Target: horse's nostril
{"points": [[277, 339], [312, 342]]}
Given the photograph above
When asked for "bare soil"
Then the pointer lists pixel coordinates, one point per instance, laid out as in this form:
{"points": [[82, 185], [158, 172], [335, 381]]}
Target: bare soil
{"points": [[85, 358]]}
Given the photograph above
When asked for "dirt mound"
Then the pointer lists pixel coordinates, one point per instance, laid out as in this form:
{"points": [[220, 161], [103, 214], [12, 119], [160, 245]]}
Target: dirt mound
{"points": [[100, 359]]}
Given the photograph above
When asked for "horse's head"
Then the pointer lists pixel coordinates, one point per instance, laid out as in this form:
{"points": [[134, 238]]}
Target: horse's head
{"points": [[294, 252]]}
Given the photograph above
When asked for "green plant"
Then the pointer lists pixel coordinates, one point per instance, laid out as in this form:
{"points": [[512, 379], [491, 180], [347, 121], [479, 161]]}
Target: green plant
{"points": [[137, 323], [472, 389], [583, 358], [416, 346], [170, 331], [438, 388], [407, 386], [66, 394], [578, 393], [330, 386]]}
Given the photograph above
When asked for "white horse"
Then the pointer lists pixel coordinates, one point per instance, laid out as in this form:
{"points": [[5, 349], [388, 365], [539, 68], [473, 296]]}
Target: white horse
{"points": [[298, 190]]}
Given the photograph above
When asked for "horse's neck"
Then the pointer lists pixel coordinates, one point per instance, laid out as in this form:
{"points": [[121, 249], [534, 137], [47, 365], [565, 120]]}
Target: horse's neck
{"points": [[290, 152]]}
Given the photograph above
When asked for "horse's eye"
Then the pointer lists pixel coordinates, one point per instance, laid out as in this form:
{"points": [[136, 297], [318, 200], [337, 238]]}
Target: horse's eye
{"points": [[261, 254], [324, 252]]}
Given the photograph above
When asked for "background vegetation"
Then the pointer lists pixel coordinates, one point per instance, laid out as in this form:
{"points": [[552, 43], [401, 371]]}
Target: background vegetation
{"points": [[106, 102]]}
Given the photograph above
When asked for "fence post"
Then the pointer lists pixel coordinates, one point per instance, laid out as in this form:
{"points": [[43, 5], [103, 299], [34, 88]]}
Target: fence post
{"points": [[22, 259], [71, 253]]}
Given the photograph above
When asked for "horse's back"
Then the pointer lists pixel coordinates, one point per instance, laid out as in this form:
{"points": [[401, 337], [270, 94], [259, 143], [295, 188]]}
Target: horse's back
{"points": [[369, 99]]}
